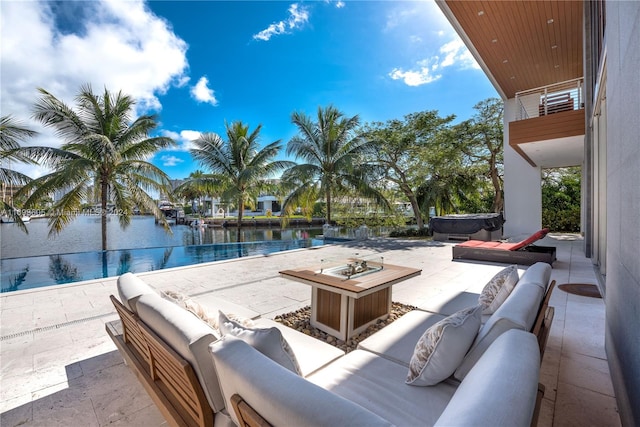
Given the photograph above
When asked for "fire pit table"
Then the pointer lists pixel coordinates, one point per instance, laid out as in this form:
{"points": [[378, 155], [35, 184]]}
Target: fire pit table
{"points": [[350, 294]]}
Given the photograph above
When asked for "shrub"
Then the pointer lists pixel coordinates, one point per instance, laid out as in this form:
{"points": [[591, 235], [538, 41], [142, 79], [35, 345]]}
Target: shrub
{"points": [[410, 232]]}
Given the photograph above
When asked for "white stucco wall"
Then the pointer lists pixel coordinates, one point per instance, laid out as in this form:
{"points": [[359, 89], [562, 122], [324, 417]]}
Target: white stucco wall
{"points": [[522, 193]]}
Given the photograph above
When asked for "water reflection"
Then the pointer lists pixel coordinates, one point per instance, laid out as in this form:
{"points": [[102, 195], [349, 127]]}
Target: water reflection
{"points": [[164, 260], [212, 235], [34, 272], [62, 271], [17, 280], [124, 266]]}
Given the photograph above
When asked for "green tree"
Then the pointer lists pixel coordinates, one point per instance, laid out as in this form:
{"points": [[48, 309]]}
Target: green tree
{"points": [[447, 190], [481, 140], [196, 187], [103, 157], [561, 199], [332, 152], [11, 132], [238, 166], [452, 183], [400, 150]]}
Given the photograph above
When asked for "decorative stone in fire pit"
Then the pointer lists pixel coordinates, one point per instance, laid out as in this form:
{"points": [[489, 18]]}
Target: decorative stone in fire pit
{"points": [[300, 320]]}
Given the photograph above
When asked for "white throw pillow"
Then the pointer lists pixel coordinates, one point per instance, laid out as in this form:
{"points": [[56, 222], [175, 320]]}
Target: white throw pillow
{"points": [[442, 347], [194, 307], [268, 341], [498, 289], [202, 312]]}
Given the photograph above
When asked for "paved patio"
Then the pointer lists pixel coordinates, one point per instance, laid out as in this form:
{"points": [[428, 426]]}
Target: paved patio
{"points": [[60, 368]]}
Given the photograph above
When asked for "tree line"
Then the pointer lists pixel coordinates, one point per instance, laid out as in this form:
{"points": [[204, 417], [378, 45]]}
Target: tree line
{"points": [[423, 159]]}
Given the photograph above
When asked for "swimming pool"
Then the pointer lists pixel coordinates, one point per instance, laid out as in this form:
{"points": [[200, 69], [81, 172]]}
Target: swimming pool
{"points": [[39, 271]]}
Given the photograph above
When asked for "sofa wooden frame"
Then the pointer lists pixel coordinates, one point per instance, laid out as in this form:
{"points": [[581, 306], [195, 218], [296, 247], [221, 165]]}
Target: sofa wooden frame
{"points": [[541, 329], [176, 391], [168, 378]]}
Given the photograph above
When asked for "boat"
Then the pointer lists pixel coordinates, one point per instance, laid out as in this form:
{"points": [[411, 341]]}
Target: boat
{"points": [[171, 213], [198, 223], [6, 219]]}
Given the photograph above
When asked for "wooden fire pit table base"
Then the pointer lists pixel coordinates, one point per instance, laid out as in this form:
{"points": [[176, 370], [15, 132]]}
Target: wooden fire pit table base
{"points": [[344, 307]]}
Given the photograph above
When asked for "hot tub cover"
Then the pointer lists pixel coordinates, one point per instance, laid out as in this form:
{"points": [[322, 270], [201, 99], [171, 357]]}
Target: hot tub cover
{"points": [[466, 223]]}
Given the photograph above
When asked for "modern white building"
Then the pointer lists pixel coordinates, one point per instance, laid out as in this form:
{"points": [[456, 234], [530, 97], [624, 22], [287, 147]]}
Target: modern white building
{"points": [[568, 72]]}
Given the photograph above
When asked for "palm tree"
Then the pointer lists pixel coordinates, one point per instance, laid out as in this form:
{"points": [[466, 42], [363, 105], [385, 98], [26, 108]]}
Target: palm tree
{"points": [[238, 167], [332, 151], [103, 155], [11, 132], [195, 188]]}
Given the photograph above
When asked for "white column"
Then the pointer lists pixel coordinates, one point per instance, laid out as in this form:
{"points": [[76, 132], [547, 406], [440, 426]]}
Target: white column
{"points": [[522, 192]]}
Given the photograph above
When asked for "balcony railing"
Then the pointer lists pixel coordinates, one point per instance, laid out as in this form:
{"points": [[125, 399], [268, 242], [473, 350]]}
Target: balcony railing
{"points": [[542, 101]]}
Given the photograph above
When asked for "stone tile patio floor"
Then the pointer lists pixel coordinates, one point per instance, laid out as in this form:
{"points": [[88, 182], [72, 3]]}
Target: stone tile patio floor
{"points": [[60, 368]]}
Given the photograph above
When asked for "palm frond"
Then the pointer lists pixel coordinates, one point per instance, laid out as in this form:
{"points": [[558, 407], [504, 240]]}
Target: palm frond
{"points": [[11, 132], [14, 214], [52, 112], [11, 177]]}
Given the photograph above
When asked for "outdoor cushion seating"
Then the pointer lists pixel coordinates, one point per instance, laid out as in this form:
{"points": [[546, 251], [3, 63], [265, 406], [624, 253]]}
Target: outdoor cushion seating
{"points": [[523, 252], [190, 394], [232, 382], [520, 310], [362, 388]]}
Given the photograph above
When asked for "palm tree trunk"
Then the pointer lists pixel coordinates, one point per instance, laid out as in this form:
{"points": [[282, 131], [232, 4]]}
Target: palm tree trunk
{"points": [[328, 206], [104, 190], [105, 265], [240, 214]]}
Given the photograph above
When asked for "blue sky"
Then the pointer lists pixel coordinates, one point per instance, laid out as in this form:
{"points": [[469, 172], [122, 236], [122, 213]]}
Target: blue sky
{"points": [[198, 64]]}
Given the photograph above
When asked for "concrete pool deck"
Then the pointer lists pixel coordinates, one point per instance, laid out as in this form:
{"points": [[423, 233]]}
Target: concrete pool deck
{"points": [[59, 367]]}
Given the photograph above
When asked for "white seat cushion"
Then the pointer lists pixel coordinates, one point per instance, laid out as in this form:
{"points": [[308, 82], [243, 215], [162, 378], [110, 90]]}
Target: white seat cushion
{"points": [[501, 388], [130, 288], [517, 312], [311, 353], [378, 385], [277, 394], [397, 341]]}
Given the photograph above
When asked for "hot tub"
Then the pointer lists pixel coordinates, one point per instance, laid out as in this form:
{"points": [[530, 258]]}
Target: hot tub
{"points": [[479, 226]]}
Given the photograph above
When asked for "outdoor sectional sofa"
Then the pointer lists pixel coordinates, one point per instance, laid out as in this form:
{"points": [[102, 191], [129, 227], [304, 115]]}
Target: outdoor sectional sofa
{"points": [[197, 377]]}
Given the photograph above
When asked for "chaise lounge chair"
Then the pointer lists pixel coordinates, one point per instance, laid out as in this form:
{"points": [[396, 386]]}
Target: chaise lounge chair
{"points": [[524, 252]]}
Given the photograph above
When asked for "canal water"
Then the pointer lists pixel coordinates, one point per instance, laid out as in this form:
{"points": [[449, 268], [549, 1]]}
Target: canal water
{"points": [[35, 259]]}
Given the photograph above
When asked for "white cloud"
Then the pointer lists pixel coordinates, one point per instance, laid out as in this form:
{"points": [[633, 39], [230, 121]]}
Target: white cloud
{"points": [[182, 81], [184, 139], [422, 74], [422, 30], [109, 43], [398, 17], [168, 160], [338, 4], [414, 16], [454, 53], [298, 16], [202, 93]]}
